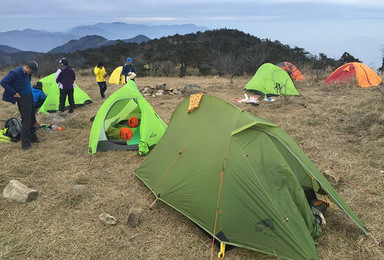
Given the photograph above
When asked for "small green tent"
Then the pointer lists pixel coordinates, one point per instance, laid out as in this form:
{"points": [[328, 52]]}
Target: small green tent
{"points": [[240, 178], [123, 104], [271, 80], [52, 91]]}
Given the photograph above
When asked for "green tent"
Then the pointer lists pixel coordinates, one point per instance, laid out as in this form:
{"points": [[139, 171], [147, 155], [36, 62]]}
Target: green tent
{"points": [[123, 104], [52, 91], [271, 80], [240, 178]]}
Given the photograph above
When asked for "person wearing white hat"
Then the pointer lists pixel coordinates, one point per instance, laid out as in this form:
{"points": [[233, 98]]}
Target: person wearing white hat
{"points": [[65, 78]]}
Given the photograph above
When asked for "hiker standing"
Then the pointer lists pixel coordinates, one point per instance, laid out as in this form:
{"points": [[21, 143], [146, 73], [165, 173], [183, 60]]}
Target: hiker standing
{"points": [[128, 70], [101, 78], [17, 85], [65, 78]]}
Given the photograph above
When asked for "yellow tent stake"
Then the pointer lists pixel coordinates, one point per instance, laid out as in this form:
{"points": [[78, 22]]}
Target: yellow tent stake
{"points": [[221, 254], [327, 201]]}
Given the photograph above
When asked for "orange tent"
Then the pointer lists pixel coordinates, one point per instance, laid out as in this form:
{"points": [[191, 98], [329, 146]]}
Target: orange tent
{"points": [[363, 74], [291, 69]]}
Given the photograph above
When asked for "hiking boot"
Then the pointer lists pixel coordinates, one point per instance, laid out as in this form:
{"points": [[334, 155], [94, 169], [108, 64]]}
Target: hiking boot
{"points": [[27, 147], [35, 140]]}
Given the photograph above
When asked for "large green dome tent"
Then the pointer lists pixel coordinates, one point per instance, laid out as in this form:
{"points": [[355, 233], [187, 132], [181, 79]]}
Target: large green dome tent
{"points": [[123, 104], [240, 178], [52, 91], [271, 80]]}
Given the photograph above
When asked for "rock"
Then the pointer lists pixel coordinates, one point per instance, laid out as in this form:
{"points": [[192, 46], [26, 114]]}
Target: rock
{"points": [[134, 216], [160, 92], [191, 89], [332, 177], [161, 86], [16, 191], [107, 219]]}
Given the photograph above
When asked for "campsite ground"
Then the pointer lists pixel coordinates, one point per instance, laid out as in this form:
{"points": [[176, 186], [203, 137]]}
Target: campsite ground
{"points": [[339, 127]]}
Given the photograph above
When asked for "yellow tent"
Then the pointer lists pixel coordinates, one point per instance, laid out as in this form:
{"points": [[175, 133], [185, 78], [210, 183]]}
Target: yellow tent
{"points": [[115, 77]]}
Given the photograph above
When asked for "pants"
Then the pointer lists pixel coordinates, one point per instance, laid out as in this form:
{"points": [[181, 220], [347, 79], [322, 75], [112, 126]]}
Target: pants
{"points": [[103, 88], [28, 119], [63, 96], [38, 105]]}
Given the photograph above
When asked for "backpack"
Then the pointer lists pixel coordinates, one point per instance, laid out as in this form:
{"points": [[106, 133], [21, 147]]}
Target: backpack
{"points": [[13, 126]]}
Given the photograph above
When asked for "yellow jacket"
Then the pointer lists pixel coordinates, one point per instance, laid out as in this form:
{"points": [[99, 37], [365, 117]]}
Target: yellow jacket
{"points": [[101, 74]]}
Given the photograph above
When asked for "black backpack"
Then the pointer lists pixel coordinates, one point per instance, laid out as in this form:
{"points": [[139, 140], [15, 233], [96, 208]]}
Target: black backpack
{"points": [[13, 126]]}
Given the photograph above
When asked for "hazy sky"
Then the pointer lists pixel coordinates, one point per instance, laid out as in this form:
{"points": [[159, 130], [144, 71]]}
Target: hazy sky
{"points": [[326, 26]]}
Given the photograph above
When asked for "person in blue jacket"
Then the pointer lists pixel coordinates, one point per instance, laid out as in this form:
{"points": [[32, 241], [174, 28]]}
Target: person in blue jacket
{"points": [[18, 90], [38, 95], [128, 69]]}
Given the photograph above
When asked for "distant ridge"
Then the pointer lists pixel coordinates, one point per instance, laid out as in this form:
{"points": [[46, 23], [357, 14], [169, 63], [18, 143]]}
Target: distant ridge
{"points": [[43, 41], [7, 49], [114, 31], [91, 42], [34, 40]]}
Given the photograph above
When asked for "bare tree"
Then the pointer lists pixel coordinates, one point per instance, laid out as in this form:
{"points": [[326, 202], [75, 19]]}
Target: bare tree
{"points": [[226, 63], [381, 69], [256, 57]]}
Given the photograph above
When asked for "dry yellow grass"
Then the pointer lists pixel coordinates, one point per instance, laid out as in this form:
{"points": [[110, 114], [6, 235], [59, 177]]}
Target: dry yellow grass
{"points": [[339, 127]]}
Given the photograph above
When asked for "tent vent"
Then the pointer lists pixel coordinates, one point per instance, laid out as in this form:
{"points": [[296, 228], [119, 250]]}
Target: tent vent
{"points": [[194, 102]]}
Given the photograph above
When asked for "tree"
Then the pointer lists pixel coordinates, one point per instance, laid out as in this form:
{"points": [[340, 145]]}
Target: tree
{"points": [[226, 63], [346, 58], [255, 57], [382, 63], [188, 53]]}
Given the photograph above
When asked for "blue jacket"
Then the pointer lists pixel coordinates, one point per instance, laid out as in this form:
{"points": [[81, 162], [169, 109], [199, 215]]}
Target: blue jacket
{"points": [[38, 95], [13, 83]]}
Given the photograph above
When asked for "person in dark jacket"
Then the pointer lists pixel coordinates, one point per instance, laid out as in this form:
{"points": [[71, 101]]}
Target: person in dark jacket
{"points": [[128, 70], [65, 78], [17, 89]]}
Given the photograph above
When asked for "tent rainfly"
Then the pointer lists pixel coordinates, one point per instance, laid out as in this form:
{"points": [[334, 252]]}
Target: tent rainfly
{"points": [[271, 80], [114, 114], [292, 70], [116, 77], [364, 75], [52, 91], [240, 178]]}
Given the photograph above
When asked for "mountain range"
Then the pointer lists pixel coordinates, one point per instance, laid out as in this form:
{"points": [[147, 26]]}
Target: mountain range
{"points": [[92, 41], [43, 41]]}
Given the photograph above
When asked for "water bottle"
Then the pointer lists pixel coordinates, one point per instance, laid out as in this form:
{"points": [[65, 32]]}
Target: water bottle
{"points": [[51, 127], [55, 128]]}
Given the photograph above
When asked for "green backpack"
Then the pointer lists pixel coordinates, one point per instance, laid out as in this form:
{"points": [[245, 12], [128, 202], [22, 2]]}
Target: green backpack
{"points": [[13, 126]]}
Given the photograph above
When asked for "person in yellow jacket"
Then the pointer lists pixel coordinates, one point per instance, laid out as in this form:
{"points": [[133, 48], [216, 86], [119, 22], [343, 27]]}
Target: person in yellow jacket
{"points": [[101, 78]]}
